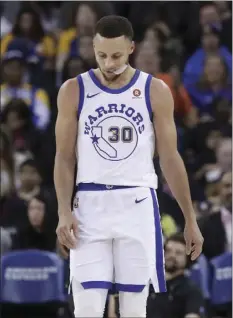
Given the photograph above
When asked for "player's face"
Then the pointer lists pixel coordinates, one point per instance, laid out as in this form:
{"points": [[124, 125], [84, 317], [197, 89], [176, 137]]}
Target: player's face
{"points": [[112, 54], [175, 256]]}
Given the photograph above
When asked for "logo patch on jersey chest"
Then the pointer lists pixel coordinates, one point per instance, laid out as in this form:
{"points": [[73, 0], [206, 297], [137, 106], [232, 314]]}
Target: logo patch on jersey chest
{"points": [[137, 93]]}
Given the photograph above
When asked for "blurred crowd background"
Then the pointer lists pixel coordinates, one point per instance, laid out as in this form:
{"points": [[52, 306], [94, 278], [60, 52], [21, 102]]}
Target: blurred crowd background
{"points": [[188, 45]]}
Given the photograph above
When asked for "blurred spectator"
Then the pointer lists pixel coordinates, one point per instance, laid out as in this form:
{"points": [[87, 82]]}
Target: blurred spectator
{"points": [[182, 102], [17, 117], [13, 213], [6, 241], [222, 113], [150, 15], [48, 12], [67, 9], [209, 14], [147, 58], [219, 223], [213, 84], [14, 67], [29, 28], [84, 21], [208, 154], [73, 67], [38, 234], [7, 166], [215, 158], [183, 299], [223, 10], [210, 45], [224, 155], [5, 24], [152, 37], [218, 13], [86, 50], [170, 44]]}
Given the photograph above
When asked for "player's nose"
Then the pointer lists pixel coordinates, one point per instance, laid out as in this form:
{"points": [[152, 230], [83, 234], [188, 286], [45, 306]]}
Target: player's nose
{"points": [[109, 65]]}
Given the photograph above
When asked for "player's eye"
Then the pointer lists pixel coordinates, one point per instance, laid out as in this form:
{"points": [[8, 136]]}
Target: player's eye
{"points": [[102, 56], [115, 57]]}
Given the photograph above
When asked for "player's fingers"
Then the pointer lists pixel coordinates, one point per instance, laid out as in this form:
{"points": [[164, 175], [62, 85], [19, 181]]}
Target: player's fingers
{"points": [[62, 250], [67, 238], [188, 246], [70, 243], [61, 238], [196, 252]]}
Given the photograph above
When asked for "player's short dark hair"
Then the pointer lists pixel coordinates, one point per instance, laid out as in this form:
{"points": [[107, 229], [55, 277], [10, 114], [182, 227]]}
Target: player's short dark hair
{"points": [[113, 26]]}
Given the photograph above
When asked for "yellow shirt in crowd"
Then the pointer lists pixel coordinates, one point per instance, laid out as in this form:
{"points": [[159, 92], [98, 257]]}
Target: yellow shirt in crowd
{"points": [[47, 44]]}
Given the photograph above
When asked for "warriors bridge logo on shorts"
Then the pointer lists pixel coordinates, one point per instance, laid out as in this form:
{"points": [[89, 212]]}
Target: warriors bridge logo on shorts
{"points": [[114, 131]]}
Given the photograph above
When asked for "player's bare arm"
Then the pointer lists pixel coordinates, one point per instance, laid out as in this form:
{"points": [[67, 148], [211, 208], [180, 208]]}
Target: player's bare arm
{"points": [[66, 137], [171, 162]]}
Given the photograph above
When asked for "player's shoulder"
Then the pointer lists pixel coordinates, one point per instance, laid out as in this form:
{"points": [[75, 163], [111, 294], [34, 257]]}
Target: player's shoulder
{"points": [[159, 85], [159, 88], [160, 95], [69, 86], [68, 94]]}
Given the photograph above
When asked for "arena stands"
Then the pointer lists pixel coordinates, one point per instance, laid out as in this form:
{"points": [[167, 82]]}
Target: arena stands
{"points": [[186, 44]]}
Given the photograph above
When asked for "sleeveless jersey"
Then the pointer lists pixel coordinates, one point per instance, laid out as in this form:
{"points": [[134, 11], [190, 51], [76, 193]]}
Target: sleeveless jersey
{"points": [[116, 140]]}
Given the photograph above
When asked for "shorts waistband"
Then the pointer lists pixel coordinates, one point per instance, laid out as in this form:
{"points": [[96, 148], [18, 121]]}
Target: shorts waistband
{"points": [[99, 187]]}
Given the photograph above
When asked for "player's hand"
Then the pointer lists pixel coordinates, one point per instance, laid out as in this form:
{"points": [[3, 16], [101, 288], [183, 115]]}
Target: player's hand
{"points": [[67, 230], [193, 238], [62, 250]]}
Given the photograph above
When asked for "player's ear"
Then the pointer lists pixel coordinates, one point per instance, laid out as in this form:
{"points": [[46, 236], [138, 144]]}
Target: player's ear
{"points": [[93, 42], [132, 48]]}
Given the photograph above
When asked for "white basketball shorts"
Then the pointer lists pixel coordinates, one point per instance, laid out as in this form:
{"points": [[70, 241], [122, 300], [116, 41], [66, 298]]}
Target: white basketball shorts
{"points": [[119, 239]]}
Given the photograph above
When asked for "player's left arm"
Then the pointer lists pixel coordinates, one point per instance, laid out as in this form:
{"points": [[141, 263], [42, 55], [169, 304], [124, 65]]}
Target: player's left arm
{"points": [[171, 162]]}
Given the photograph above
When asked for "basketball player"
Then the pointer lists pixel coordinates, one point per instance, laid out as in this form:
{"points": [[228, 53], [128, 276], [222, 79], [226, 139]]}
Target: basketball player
{"points": [[109, 120]]}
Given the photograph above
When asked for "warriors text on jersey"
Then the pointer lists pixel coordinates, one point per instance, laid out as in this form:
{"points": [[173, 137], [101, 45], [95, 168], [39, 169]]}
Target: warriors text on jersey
{"points": [[116, 137]]}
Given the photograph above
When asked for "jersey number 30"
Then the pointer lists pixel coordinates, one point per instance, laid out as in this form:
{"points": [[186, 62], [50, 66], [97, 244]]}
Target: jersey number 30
{"points": [[125, 134]]}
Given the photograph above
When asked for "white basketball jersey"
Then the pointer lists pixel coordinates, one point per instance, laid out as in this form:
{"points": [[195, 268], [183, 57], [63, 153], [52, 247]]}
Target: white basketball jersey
{"points": [[116, 139]]}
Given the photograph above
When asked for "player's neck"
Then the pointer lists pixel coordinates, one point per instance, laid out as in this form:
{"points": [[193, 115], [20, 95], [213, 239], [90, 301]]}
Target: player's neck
{"points": [[118, 81]]}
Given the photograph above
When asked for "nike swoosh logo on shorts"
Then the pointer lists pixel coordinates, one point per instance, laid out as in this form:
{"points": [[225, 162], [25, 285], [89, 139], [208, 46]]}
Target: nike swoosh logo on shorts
{"points": [[93, 95], [138, 201]]}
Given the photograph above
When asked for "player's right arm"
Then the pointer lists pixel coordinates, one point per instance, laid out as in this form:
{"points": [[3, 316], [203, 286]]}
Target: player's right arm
{"points": [[66, 138], [172, 164]]}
